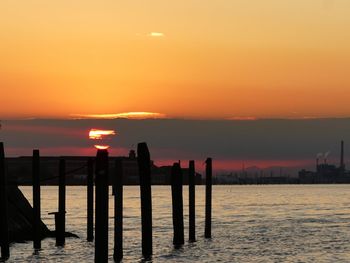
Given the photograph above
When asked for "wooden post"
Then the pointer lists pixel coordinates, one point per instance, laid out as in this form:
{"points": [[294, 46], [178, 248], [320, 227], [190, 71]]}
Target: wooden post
{"points": [[90, 200], [177, 201], [208, 196], [101, 212], [36, 201], [4, 227], [192, 201], [118, 211], [144, 163], [61, 223]]}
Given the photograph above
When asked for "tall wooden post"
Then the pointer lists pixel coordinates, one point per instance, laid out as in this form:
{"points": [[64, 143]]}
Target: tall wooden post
{"points": [[4, 226], [61, 223], [36, 201], [118, 211], [90, 200], [192, 201], [144, 163], [177, 201], [208, 196], [101, 212]]}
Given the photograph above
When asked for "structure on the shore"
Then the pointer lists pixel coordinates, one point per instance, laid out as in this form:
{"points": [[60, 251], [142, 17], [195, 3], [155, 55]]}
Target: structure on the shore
{"points": [[326, 173], [19, 169]]}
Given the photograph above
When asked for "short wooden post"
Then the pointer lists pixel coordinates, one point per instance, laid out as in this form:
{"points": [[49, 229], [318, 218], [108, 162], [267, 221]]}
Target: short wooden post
{"points": [[4, 226], [192, 201], [177, 202], [101, 212], [144, 163], [208, 197], [36, 201], [61, 223], [118, 211], [90, 200]]}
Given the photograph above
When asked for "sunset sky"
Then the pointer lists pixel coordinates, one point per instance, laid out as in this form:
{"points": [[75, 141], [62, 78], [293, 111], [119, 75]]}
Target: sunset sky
{"points": [[200, 59], [207, 63]]}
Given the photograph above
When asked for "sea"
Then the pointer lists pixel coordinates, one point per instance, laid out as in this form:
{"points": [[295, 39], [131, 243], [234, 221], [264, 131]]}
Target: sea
{"points": [[260, 223]]}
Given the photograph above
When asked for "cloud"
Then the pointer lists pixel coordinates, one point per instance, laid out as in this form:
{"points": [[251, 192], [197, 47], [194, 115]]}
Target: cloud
{"points": [[229, 143], [156, 34], [243, 118], [124, 115]]}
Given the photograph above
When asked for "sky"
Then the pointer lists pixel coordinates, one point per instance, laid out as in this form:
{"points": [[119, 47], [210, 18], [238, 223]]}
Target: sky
{"points": [[193, 59], [188, 71]]}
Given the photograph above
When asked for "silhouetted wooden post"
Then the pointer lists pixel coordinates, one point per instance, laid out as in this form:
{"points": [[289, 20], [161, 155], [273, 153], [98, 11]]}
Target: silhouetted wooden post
{"points": [[101, 211], [208, 195], [36, 201], [90, 200], [192, 201], [118, 211], [144, 163], [4, 227], [177, 201], [61, 222]]}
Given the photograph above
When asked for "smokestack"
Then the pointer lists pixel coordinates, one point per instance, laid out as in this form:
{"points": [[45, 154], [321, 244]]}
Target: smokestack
{"points": [[342, 165], [318, 157], [326, 156]]}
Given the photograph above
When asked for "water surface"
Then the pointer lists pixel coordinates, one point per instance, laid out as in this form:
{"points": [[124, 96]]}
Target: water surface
{"points": [[289, 223]]}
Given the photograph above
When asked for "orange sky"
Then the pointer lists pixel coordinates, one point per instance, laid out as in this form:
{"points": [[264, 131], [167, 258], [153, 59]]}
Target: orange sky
{"points": [[204, 59]]}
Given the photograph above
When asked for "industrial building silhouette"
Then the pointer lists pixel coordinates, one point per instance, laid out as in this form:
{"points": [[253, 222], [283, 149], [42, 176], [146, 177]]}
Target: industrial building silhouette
{"points": [[326, 173]]}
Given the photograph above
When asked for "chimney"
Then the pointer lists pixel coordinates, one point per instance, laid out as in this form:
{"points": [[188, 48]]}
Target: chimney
{"points": [[342, 165], [132, 154]]}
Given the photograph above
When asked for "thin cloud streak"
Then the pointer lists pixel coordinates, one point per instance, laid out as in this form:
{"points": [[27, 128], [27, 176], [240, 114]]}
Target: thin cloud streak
{"points": [[125, 115], [244, 118], [156, 34]]}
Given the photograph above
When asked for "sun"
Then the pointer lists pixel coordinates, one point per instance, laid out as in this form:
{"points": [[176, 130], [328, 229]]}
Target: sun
{"points": [[97, 134]]}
